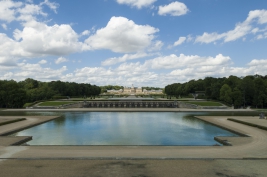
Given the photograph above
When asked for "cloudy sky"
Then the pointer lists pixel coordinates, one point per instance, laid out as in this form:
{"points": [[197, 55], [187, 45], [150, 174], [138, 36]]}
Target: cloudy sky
{"points": [[124, 42]]}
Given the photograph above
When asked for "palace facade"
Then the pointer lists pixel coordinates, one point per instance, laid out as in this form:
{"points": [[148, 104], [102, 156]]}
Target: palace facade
{"points": [[134, 91]]}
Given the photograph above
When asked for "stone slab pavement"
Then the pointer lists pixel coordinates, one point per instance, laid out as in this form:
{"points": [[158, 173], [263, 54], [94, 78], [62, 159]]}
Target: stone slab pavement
{"points": [[133, 168]]}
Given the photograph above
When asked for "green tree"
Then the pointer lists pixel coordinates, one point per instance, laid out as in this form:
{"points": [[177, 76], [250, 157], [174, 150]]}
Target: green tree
{"points": [[259, 95], [237, 98], [247, 88], [233, 82], [225, 94], [11, 94]]}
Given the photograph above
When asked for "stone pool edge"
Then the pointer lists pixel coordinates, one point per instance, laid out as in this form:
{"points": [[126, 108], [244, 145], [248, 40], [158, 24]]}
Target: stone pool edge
{"points": [[250, 147], [9, 129]]}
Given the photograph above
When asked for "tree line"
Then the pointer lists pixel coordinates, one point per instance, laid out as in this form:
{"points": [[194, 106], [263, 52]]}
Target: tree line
{"points": [[110, 87], [15, 94], [236, 91]]}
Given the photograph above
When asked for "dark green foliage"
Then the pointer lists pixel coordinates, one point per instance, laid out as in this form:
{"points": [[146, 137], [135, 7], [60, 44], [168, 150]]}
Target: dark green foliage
{"points": [[241, 92], [226, 93], [11, 94], [237, 98], [15, 94], [110, 87], [151, 88], [206, 103]]}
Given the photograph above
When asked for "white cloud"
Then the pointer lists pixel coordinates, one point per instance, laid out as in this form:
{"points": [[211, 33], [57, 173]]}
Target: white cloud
{"points": [[137, 3], [8, 10], [40, 39], [23, 11], [256, 62], [255, 30], [201, 71], [141, 74], [156, 45], [190, 67], [240, 30], [262, 36], [180, 41], [10, 50], [60, 60], [35, 71], [4, 26], [52, 5], [174, 61], [29, 12], [123, 36], [195, 67], [189, 38], [209, 37], [174, 9], [125, 74], [32, 9], [42, 62], [259, 15], [85, 33], [35, 39], [124, 58]]}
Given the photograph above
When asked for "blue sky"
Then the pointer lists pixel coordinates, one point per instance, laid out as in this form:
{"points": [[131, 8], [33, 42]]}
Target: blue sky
{"points": [[124, 42]]}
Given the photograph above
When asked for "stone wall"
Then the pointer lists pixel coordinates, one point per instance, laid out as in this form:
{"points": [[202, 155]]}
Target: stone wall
{"points": [[130, 104]]}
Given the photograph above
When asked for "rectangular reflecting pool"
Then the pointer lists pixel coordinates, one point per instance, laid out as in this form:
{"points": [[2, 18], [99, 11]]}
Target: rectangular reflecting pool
{"points": [[125, 128]]}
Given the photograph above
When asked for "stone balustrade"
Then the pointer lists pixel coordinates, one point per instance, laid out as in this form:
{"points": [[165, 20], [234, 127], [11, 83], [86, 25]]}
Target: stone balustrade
{"points": [[129, 104]]}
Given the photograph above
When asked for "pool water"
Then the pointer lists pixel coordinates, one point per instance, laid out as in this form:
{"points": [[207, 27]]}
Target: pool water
{"points": [[125, 128]]}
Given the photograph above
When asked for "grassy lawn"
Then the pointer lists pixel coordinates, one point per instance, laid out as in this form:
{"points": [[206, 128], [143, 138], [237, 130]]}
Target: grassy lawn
{"points": [[260, 110], [27, 105], [206, 103], [55, 103]]}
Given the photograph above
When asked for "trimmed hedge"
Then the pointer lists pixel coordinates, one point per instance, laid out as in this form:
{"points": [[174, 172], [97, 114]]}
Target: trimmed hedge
{"points": [[12, 121], [205, 103], [247, 123], [59, 103]]}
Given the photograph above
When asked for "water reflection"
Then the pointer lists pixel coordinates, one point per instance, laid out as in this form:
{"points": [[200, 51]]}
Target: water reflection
{"points": [[124, 128]]}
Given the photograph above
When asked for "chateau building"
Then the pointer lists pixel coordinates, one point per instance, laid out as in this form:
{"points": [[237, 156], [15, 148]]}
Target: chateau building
{"points": [[134, 91]]}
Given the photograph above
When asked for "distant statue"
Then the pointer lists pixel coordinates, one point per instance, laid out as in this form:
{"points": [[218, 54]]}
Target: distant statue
{"points": [[262, 116]]}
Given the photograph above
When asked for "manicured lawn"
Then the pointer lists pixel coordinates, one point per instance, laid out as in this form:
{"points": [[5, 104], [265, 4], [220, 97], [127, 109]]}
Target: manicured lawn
{"points": [[27, 105], [55, 103], [261, 110], [205, 103]]}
